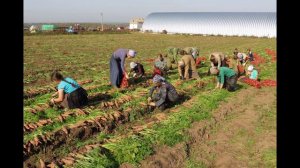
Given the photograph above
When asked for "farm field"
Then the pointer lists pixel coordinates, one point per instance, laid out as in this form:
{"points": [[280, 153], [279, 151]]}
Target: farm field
{"points": [[116, 128]]}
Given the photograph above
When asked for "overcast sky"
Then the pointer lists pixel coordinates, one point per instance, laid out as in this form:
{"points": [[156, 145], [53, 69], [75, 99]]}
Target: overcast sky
{"points": [[124, 10]]}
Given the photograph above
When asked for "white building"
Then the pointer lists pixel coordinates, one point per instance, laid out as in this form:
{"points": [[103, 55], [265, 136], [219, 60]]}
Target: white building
{"points": [[258, 24], [136, 23]]}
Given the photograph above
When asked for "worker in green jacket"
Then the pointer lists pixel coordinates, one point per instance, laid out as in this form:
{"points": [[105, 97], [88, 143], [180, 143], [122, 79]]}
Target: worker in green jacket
{"points": [[173, 52], [226, 77]]}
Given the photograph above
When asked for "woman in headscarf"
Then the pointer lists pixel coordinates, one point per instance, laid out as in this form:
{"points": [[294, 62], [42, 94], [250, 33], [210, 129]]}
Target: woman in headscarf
{"points": [[160, 66], [137, 69], [243, 58], [252, 72], [117, 69], [165, 93]]}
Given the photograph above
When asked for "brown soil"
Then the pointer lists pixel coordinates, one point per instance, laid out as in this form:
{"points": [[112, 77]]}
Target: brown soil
{"points": [[229, 139]]}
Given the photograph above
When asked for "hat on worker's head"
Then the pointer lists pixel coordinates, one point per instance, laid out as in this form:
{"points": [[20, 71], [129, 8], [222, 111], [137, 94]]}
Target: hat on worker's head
{"points": [[132, 53], [133, 65], [181, 64], [158, 78], [250, 68], [213, 71]]}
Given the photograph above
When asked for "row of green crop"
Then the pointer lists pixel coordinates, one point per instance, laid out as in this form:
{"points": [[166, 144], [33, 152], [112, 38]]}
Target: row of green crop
{"points": [[169, 132]]}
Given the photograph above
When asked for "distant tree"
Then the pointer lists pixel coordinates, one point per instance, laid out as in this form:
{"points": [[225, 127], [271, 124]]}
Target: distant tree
{"points": [[164, 32]]}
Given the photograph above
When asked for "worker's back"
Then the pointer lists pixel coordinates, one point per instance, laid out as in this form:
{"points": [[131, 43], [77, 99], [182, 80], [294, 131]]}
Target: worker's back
{"points": [[189, 61]]}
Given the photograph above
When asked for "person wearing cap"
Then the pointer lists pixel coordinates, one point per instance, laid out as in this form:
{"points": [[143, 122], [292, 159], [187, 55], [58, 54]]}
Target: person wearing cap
{"points": [[252, 72], [165, 93], [137, 69], [226, 77], [217, 59], [117, 69], [187, 66], [160, 66]]}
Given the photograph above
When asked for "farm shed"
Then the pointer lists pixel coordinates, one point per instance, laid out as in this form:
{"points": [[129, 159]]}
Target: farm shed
{"points": [[48, 27], [258, 24], [136, 23]]}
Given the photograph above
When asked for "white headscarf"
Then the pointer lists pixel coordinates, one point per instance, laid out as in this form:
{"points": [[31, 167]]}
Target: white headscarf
{"points": [[132, 53], [132, 65], [250, 68]]}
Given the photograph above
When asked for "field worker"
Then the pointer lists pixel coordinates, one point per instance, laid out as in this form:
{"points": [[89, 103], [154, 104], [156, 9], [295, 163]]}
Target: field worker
{"points": [[168, 62], [217, 59], [252, 72], [250, 55], [165, 93], [137, 69], [70, 93], [192, 51], [117, 69], [235, 52], [187, 67], [173, 54], [242, 58], [226, 77], [232, 64], [160, 66]]}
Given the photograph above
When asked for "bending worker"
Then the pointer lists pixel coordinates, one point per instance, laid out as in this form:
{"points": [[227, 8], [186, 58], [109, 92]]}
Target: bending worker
{"points": [[116, 65], [165, 93], [226, 77], [252, 72], [160, 66], [173, 54], [192, 51], [137, 69], [70, 93], [187, 67], [217, 59]]}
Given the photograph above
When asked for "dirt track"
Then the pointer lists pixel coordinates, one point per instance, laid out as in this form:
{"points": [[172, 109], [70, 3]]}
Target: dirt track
{"points": [[241, 134]]}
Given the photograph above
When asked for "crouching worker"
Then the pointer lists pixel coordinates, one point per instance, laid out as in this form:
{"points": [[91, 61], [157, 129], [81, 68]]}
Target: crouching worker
{"points": [[187, 67], [252, 72], [70, 93], [226, 77], [165, 93], [160, 66], [137, 69]]}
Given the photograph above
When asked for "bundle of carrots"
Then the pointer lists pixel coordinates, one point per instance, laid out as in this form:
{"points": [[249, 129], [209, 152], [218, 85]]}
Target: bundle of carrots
{"points": [[268, 82], [200, 59], [124, 83], [258, 84], [271, 53], [251, 82]]}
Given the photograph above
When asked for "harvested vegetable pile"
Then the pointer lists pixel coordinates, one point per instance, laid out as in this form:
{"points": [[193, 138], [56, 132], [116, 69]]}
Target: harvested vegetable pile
{"points": [[271, 53], [258, 84], [258, 59], [199, 60]]}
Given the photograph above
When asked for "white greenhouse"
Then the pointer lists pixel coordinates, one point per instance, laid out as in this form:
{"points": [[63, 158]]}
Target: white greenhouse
{"points": [[258, 24]]}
